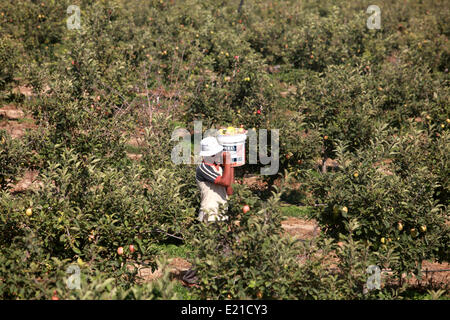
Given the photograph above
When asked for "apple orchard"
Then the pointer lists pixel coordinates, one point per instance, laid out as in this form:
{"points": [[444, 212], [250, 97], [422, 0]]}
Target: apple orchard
{"points": [[87, 183]]}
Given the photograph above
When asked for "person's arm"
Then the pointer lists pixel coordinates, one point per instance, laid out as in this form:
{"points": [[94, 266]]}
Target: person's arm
{"points": [[225, 178], [230, 188]]}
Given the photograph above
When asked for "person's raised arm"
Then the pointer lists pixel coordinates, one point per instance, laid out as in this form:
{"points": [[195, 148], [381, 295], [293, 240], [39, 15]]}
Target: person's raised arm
{"points": [[225, 179], [229, 188]]}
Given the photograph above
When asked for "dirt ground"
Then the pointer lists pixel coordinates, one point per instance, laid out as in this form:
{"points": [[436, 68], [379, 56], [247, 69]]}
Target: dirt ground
{"points": [[176, 266], [442, 276], [28, 181], [15, 121], [300, 228]]}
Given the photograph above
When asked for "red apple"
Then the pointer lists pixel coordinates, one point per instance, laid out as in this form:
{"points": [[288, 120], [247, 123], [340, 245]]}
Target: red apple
{"points": [[258, 112], [120, 251], [55, 296], [131, 248], [245, 209]]}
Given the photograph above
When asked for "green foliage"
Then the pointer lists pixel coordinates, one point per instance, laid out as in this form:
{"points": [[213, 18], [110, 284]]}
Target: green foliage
{"points": [[13, 158], [295, 211], [9, 61], [86, 210], [249, 259], [252, 259], [391, 194]]}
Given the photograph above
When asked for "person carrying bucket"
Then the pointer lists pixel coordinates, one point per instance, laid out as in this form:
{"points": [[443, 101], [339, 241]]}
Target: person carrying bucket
{"points": [[214, 183], [214, 177], [213, 180]]}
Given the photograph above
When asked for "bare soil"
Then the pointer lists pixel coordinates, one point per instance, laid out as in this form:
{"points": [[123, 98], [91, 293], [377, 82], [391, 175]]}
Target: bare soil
{"points": [[29, 181], [134, 156], [300, 228], [434, 273], [10, 117], [176, 267], [254, 182]]}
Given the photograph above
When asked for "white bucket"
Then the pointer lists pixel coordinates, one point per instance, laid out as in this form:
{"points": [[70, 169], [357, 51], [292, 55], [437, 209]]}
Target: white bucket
{"points": [[235, 145]]}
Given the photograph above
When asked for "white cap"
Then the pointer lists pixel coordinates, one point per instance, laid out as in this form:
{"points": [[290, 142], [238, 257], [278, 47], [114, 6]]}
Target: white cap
{"points": [[209, 147]]}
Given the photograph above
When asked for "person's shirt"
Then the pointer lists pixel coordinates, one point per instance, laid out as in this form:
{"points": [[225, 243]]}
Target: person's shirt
{"points": [[212, 194]]}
